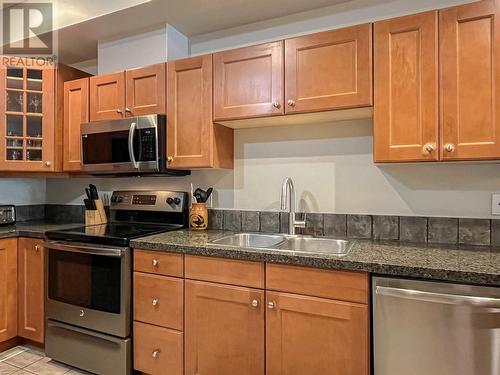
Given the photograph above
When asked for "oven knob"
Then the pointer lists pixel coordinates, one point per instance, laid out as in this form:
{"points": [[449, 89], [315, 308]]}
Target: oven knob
{"points": [[119, 199], [177, 201], [113, 198], [170, 200]]}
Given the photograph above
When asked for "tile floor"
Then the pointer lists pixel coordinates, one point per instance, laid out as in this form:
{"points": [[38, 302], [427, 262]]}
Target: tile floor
{"points": [[27, 360]]}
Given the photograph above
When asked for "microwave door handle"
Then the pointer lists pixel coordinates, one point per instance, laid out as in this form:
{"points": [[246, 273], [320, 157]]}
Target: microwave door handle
{"points": [[450, 299], [131, 135]]}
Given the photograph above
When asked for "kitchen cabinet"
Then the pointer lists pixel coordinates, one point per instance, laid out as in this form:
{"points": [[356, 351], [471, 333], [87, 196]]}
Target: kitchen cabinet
{"points": [[145, 90], [406, 113], [76, 112], [8, 289], [31, 282], [469, 39], [224, 329], [308, 336], [248, 82], [194, 141], [329, 70], [107, 97]]}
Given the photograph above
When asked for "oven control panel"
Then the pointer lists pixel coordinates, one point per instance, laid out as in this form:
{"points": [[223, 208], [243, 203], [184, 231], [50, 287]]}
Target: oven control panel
{"points": [[166, 201]]}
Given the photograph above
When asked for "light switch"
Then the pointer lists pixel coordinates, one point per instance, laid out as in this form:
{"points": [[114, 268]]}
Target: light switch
{"points": [[495, 204]]}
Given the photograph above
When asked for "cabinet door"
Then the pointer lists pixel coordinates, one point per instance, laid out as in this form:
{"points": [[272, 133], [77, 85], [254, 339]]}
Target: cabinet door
{"points": [[8, 289], [310, 336], [76, 112], [145, 91], [27, 117], [107, 97], [330, 70], [224, 330], [190, 129], [469, 38], [248, 82], [406, 119], [31, 281]]}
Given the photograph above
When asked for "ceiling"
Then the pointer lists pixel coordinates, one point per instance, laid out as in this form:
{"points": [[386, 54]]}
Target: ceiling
{"points": [[81, 23]]}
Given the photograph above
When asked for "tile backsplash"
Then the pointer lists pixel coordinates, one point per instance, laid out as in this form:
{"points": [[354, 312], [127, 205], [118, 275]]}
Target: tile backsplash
{"points": [[434, 230]]}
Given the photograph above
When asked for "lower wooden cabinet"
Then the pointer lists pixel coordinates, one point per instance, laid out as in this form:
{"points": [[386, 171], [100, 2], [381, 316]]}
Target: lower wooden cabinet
{"points": [[224, 329], [8, 289], [309, 336], [31, 287]]}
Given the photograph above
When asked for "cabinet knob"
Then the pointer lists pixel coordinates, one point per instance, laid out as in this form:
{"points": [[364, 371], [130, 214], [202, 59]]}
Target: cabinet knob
{"points": [[429, 147], [255, 303], [170, 159], [48, 163], [118, 110], [450, 147], [127, 109], [271, 305], [37, 248], [82, 313], [277, 105], [155, 301], [155, 353], [291, 103], [156, 262]]}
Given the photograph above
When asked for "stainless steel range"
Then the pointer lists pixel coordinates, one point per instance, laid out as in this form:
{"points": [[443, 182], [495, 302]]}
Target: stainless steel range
{"points": [[89, 280]]}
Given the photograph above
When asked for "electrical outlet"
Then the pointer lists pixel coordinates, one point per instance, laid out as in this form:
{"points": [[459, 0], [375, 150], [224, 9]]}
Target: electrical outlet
{"points": [[495, 204]]}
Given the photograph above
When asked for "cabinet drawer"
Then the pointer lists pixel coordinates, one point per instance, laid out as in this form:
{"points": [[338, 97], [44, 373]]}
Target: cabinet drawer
{"points": [[339, 285], [157, 350], [226, 271], [159, 263], [159, 300]]}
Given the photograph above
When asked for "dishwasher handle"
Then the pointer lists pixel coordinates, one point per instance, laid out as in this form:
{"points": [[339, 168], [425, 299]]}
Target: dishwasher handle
{"points": [[443, 298]]}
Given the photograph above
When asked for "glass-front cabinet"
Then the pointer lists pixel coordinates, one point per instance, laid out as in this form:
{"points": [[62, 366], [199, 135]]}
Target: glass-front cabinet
{"points": [[27, 119]]}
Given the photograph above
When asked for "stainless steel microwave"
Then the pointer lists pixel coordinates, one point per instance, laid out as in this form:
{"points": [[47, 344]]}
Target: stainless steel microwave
{"points": [[133, 145]]}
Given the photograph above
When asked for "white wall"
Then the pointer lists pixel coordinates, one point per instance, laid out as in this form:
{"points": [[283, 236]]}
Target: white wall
{"points": [[22, 191]]}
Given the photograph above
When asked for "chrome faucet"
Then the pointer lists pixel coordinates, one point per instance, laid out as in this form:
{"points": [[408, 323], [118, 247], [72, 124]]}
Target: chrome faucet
{"points": [[288, 199]]}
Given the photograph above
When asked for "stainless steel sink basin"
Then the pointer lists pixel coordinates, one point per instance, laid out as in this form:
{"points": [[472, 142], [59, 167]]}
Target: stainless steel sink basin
{"points": [[284, 242], [315, 245], [251, 240]]}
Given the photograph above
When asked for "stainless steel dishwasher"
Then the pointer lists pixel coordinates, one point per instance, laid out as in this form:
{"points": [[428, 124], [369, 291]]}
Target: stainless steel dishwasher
{"points": [[434, 328]]}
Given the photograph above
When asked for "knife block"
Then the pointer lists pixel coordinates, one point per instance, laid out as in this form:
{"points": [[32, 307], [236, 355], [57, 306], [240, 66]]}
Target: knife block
{"points": [[97, 216]]}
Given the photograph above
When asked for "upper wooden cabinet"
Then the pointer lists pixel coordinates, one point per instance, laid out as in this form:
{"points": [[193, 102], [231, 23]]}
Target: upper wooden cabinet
{"points": [[248, 82], [8, 289], [194, 141], [331, 335], [224, 330], [76, 112], [406, 118], [31, 281], [470, 81], [135, 92], [329, 70], [145, 90], [107, 97]]}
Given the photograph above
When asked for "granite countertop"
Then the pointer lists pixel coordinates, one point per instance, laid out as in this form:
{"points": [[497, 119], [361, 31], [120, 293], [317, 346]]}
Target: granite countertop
{"points": [[477, 265], [34, 229]]}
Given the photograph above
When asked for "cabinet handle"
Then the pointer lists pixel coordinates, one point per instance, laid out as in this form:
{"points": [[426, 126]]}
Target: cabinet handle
{"points": [[170, 159], [429, 147], [48, 163], [255, 303], [277, 105], [450, 147], [291, 103], [155, 353], [155, 301], [118, 110], [37, 248], [156, 262], [127, 109], [271, 305]]}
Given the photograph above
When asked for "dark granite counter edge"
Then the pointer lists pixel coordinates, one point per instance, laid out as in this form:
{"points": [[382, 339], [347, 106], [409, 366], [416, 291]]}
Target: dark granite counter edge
{"points": [[322, 262]]}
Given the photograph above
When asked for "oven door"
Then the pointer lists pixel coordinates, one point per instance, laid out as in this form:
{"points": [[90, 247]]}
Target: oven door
{"points": [[89, 286], [121, 146]]}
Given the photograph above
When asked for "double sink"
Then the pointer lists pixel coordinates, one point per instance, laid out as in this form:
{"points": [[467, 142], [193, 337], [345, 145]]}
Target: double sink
{"points": [[285, 242]]}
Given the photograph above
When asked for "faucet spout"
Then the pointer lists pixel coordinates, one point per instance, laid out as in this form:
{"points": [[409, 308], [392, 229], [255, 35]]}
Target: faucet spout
{"points": [[288, 204]]}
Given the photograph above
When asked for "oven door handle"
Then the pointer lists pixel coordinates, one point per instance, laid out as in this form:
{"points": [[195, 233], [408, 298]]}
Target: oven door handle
{"points": [[92, 250], [131, 135]]}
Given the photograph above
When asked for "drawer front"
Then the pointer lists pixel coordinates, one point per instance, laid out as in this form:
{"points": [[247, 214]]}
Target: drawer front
{"points": [[159, 300], [159, 263], [157, 350], [339, 285], [225, 271]]}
